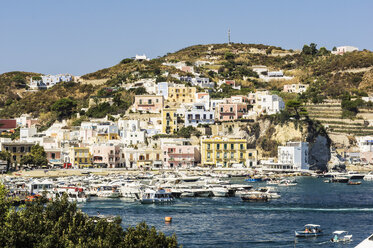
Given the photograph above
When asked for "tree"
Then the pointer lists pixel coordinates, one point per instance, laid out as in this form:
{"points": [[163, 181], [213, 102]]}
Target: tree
{"points": [[60, 224], [64, 107], [229, 56], [323, 51], [293, 105], [39, 155], [310, 50]]}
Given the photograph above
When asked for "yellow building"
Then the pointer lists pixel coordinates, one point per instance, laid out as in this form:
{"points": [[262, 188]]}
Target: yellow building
{"points": [[220, 151], [181, 94], [80, 157], [169, 121]]}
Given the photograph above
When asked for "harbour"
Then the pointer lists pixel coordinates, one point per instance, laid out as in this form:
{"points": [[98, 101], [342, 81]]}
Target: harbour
{"points": [[230, 221]]}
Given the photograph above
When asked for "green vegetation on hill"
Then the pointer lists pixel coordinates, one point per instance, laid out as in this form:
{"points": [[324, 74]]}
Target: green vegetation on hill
{"points": [[328, 76]]}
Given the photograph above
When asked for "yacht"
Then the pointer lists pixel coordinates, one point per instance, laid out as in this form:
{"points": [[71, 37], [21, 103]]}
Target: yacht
{"points": [[368, 177], [219, 191], [105, 191], [150, 196], [74, 194]]}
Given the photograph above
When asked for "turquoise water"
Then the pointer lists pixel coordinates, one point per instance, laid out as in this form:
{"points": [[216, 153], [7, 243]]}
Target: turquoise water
{"points": [[229, 222]]}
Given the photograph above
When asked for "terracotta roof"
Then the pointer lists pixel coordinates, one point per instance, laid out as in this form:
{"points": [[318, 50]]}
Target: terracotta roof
{"points": [[7, 124]]}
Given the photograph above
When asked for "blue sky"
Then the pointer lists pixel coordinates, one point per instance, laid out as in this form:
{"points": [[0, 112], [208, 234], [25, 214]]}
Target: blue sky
{"points": [[82, 36]]}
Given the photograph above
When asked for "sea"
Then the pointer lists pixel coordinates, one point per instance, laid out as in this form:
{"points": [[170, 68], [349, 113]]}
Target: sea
{"points": [[230, 222]]}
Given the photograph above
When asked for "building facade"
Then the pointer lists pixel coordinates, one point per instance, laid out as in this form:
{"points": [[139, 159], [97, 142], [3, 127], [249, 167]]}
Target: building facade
{"points": [[148, 103], [226, 152], [181, 94], [294, 154]]}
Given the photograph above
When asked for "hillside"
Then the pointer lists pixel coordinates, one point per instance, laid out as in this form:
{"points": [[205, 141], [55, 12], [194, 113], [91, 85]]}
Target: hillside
{"points": [[329, 77]]}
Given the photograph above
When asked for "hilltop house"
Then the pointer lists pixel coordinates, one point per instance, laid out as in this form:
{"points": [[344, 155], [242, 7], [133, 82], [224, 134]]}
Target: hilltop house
{"points": [[148, 103], [199, 115]]}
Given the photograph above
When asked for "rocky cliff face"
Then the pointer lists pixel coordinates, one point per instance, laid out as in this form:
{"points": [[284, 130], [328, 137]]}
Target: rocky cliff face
{"points": [[267, 135]]}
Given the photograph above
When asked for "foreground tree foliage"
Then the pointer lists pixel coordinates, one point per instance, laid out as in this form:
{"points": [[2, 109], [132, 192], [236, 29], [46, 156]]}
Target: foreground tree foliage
{"points": [[61, 224]]}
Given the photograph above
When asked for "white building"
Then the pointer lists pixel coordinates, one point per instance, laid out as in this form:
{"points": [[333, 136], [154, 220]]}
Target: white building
{"points": [[131, 134], [199, 115], [295, 88], [141, 57], [26, 133], [47, 81], [344, 49], [294, 154], [266, 103]]}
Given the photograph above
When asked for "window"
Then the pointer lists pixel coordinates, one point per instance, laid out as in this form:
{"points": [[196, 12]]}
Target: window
{"points": [[208, 155], [208, 147], [140, 101], [241, 155], [225, 146], [204, 116], [231, 109], [232, 146], [150, 101], [218, 155], [241, 146], [225, 155], [211, 116], [218, 146], [221, 110], [232, 155], [250, 154]]}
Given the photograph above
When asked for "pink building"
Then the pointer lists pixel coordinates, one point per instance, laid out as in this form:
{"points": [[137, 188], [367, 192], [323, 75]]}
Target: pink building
{"points": [[180, 156], [107, 155], [187, 69], [231, 111], [148, 103]]}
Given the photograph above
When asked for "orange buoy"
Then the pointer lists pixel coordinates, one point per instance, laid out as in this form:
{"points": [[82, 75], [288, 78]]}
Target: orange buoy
{"points": [[167, 219]]}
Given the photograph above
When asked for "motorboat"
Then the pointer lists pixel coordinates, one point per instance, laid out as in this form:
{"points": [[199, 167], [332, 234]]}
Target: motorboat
{"points": [[341, 236], [253, 179], [108, 192], [355, 175], [286, 182], [310, 230], [150, 196], [254, 196], [219, 191], [339, 179], [74, 194], [368, 177], [268, 191]]}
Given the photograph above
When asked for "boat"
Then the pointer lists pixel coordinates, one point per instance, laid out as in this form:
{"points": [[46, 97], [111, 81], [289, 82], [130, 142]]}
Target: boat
{"points": [[74, 194], [285, 183], [108, 192], [219, 191], [355, 175], [353, 182], [339, 179], [253, 179], [268, 191], [341, 236], [366, 243], [310, 230], [368, 177], [156, 196], [254, 197]]}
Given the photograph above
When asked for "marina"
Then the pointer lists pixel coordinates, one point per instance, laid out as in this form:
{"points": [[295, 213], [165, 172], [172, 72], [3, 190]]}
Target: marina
{"points": [[205, 220]]}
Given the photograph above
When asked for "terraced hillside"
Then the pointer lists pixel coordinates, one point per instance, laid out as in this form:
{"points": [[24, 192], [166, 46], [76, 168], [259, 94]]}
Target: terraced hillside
{"points": [[330, 115]]}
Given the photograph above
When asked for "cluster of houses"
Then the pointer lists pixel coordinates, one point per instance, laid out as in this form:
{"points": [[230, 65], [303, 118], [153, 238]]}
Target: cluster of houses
{"points": [[147, 137], [48, 81]]}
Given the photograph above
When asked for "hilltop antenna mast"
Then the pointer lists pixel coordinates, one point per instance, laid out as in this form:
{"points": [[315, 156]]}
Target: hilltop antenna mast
{"points": [[229, 36]]}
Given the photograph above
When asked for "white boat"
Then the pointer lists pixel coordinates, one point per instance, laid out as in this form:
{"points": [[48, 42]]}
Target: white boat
{"points": [[310, 230], [366, 243], [156, 196], [130, 192], [285, 183], [219, 191], [74, 194], [269, 192], [108, 192], [341, 236], [369, 177]]}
